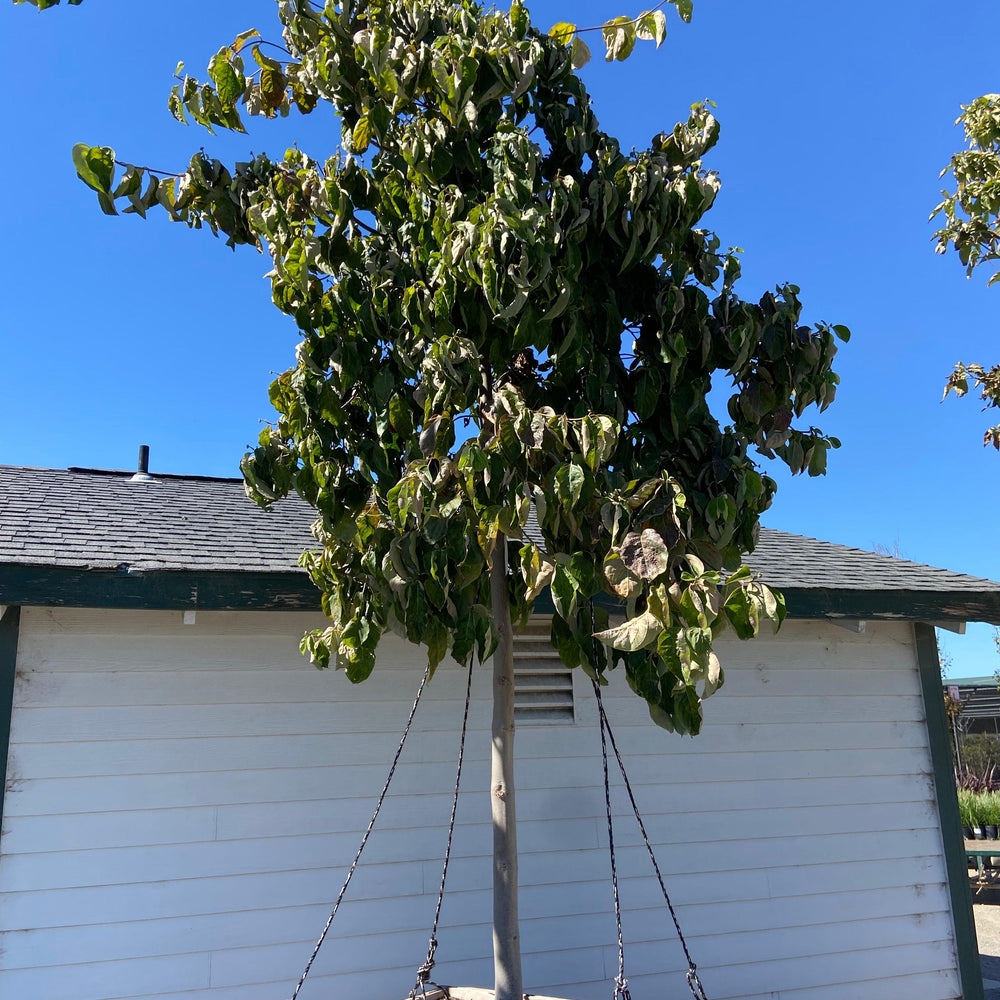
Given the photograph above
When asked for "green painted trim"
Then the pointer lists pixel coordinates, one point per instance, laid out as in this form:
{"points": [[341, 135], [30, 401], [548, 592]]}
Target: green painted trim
{"points": [[59, 586], [9, 629], [867, 605], [969, 968], [900, 605]]}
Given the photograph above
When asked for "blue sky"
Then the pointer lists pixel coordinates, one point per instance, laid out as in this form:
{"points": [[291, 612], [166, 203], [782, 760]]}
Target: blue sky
{"points": [[836, 120]]}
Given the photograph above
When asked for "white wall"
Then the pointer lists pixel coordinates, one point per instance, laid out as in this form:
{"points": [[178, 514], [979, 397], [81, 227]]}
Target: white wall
{"points": [[183, 801]]}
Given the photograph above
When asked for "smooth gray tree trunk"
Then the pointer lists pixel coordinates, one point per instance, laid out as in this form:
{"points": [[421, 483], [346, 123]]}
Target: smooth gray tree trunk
{"points": [[506, 934]]}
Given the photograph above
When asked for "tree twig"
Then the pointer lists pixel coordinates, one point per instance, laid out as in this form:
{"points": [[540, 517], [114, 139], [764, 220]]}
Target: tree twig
{"points": [[632, 20], [148, 170]]}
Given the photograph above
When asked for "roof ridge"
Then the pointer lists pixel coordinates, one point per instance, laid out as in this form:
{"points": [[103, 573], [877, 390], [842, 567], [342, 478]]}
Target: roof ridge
{"points": [[194, 478], [125, 473]]}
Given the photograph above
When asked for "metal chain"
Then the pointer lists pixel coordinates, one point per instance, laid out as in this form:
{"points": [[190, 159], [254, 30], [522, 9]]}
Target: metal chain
{"points": [[364, 839], [621, 983], [694, 983], [424, 972]]}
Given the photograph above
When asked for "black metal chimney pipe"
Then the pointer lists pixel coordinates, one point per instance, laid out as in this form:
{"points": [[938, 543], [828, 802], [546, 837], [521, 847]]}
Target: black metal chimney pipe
{"points": [[144, 459]]}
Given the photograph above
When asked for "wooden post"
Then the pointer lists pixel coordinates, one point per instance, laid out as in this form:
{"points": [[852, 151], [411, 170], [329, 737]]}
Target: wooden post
{"points": [[506, 934]]}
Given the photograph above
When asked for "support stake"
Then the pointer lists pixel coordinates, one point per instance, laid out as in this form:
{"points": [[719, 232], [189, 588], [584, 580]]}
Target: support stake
{"points": [[506, 934]]}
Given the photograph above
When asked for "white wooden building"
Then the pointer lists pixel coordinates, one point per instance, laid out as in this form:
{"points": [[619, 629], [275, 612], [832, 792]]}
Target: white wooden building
{"points": [[184, 792]]}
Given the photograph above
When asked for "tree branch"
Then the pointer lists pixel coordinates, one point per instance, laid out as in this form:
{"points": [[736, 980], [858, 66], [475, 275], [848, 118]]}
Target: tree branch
{"points": [[148, 170], [632, 20]]}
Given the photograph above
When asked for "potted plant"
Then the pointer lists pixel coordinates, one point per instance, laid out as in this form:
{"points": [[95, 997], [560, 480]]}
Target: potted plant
{"points": [[978, 823], [990, 813], [966, 810]]}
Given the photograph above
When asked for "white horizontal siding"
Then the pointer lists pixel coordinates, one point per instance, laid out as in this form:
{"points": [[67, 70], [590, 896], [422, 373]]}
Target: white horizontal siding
{"points": [[197, 723], [265, 924], [95, 831], [288, 889], [183, 802]]}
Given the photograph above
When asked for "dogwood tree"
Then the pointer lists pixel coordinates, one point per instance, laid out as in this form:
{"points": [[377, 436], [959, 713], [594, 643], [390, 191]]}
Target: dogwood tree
{"points": [[510, 330]]}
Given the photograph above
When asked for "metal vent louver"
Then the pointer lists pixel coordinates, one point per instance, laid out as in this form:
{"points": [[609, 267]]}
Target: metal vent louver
{"points": [[543, 686]]}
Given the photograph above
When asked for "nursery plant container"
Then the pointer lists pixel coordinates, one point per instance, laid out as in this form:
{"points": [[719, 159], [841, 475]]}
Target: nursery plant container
{"points": [[468, 993]]}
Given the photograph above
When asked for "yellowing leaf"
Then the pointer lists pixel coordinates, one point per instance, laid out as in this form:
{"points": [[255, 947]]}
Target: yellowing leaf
{"points": [[713, 676], [633, 635], [619, 38], [562, 32], [651, 26], [243, 37], [621, 580], [361, 137], [542, 579]]}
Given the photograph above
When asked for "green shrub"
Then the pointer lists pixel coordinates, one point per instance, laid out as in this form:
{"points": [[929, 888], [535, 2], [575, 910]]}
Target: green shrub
{"points": [[979, 808], [967, 807], [990, 809], [980, 752]]}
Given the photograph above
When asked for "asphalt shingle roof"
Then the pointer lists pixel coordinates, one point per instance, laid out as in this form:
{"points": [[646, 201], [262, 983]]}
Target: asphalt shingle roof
{"points": [[796, 562], [89, 519], [100, 520]]}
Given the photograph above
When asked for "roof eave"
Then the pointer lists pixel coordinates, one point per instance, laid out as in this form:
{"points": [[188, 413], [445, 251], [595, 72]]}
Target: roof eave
{"points": [[873, 605], [894, 605], [59, 586], [164, 590]]}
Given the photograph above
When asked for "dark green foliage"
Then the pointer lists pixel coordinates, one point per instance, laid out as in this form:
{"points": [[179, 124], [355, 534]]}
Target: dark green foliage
{"points": [[502, 312], [980, 756]]}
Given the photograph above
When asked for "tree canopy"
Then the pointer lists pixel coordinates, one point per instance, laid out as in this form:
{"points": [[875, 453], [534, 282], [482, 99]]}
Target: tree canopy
{"points": [[510, 332], [972, 226]]}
